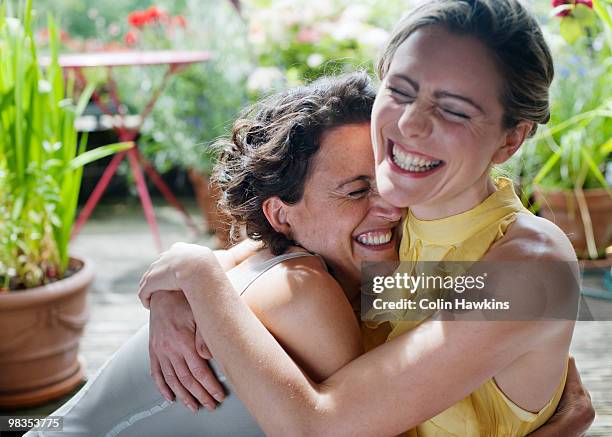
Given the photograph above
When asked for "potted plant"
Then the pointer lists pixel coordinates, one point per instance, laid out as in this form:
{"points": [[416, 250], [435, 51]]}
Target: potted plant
{"points": [[565, 165], [42, 289]]}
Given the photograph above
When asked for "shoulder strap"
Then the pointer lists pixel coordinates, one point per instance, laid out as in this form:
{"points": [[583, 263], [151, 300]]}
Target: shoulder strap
{"points": [[243, 280]]}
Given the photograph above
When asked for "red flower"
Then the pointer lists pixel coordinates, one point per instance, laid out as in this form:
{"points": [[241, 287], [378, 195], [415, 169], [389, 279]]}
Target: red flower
{"points": [[137, 18], [566, 12], [130, 38], [180, 21], [151, 15], [154, 15]]}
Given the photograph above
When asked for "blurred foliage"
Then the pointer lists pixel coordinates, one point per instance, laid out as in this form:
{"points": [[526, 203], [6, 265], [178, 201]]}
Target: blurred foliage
{"points": [[295, 41], [574, 150], [199, 102], [278, 44], [41, 159]]}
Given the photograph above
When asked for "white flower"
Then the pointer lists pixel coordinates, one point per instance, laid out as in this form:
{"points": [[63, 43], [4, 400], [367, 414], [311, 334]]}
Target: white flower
{"points": [[373, 37], [14, 26], [344, 30], [44, 86], [321, 8], [359, 13], [265, 79], [315, 60]]}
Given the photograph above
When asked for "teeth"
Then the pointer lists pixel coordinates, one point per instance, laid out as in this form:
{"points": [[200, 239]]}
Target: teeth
{"points": [[375, 238], [413, 163]]}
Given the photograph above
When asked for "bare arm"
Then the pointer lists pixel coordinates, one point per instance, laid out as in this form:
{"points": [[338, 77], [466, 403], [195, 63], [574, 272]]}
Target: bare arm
{"points": [[230, 258], [307, 312], [177, 353], [370, 393], [296, 294]]}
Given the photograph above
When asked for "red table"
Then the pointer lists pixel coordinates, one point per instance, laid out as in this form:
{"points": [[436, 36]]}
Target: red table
{"points": [[174, 60]]}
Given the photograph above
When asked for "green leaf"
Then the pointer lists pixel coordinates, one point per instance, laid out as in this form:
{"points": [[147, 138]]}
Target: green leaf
{"points": [[606, 148], [601, 10], [570, 29], [584, 15], [98, 153], [547, 167], [593, 167], [84, 98]]}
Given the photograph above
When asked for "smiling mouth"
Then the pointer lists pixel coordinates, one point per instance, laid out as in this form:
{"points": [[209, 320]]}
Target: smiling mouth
{"points": [[410, 162], [375, 239]]}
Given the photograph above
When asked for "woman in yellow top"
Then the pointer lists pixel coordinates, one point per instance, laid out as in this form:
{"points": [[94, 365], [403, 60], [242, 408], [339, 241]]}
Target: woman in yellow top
{"points": [[464, 83]]}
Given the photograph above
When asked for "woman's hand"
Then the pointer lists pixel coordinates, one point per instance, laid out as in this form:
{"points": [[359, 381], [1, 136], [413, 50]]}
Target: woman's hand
{"points": [[182, 260], [575, 412], [178, 353]]}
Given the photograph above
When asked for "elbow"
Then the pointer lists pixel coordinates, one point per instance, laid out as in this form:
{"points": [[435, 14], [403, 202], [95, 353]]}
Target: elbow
{"points": [[293, 426], [310, 420]]}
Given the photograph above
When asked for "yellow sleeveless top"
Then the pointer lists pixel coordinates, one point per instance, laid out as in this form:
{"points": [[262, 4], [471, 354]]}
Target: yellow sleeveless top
{"points": [[466, 237]]}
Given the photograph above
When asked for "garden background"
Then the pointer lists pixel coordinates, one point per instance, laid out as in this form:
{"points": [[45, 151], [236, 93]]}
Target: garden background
{"points": [[258, 47]]}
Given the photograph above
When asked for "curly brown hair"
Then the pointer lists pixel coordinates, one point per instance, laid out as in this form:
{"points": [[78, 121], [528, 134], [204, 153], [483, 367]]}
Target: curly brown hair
{"points": [[273, 144]]}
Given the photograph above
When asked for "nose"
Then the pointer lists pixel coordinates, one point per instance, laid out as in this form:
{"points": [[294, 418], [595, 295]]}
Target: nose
{"points": [[414, 121], [383, 209]]}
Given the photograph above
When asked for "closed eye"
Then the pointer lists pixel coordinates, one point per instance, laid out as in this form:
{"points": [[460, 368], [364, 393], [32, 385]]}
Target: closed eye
{"points": [[456, 114], [401, 93], [357, 194]]}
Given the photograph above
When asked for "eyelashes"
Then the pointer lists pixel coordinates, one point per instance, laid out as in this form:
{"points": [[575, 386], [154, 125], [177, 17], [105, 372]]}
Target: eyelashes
{"points": [[357, 194], [410, 99]]}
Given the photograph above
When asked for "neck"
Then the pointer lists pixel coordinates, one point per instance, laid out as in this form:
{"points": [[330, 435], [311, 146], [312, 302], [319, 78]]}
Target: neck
{"points": [[436, 208]]}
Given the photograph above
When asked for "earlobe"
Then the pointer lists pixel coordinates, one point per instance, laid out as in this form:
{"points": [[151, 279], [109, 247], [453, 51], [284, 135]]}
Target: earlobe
{"points": [[515, 137], [275, 211]]}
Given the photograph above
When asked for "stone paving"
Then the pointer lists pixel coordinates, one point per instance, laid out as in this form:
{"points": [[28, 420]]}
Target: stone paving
{"points": [[118, 241]]}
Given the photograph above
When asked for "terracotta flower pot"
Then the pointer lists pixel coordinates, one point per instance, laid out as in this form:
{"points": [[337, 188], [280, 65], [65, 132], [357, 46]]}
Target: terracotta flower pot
{"points": [[40, 329], [207, 198], [562, 208]]}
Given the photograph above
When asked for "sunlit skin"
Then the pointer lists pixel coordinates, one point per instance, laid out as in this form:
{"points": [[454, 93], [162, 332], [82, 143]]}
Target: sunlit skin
{"points": [[340, 217], [341, 203], [440, 100]]}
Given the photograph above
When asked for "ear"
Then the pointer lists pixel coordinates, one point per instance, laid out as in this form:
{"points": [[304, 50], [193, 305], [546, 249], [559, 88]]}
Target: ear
{"points": [[275, 211], [514, 138]]}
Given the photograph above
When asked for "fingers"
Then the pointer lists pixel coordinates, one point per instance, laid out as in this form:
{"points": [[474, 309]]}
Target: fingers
{"points": [[201, 347], [160, 382], [172, 380], [187, 380], [573, 377], [204, 376]]}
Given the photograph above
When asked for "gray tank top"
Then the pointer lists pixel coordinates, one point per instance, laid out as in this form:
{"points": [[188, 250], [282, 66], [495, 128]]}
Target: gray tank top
{"points": [[243, 278]]}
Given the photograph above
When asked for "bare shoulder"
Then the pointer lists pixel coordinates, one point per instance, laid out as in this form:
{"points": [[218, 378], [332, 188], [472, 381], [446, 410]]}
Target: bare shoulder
{"points": [[305, 308], [534, 267], [297, 284], [532, 237]]}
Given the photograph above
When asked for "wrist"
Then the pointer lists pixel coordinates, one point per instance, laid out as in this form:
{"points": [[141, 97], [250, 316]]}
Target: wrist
{"points": [[193, 269], [161, 298]]}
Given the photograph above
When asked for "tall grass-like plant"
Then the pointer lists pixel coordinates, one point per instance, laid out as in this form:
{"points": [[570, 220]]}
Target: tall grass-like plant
{"points": [[41, 157], [573, 152]]}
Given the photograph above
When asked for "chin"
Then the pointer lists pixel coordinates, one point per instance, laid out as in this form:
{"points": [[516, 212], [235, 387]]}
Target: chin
{"points": [[396, 194]]}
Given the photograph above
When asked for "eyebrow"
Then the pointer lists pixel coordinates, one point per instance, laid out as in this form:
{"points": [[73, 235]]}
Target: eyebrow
{"points": [[363, 178], [441, 93]]}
